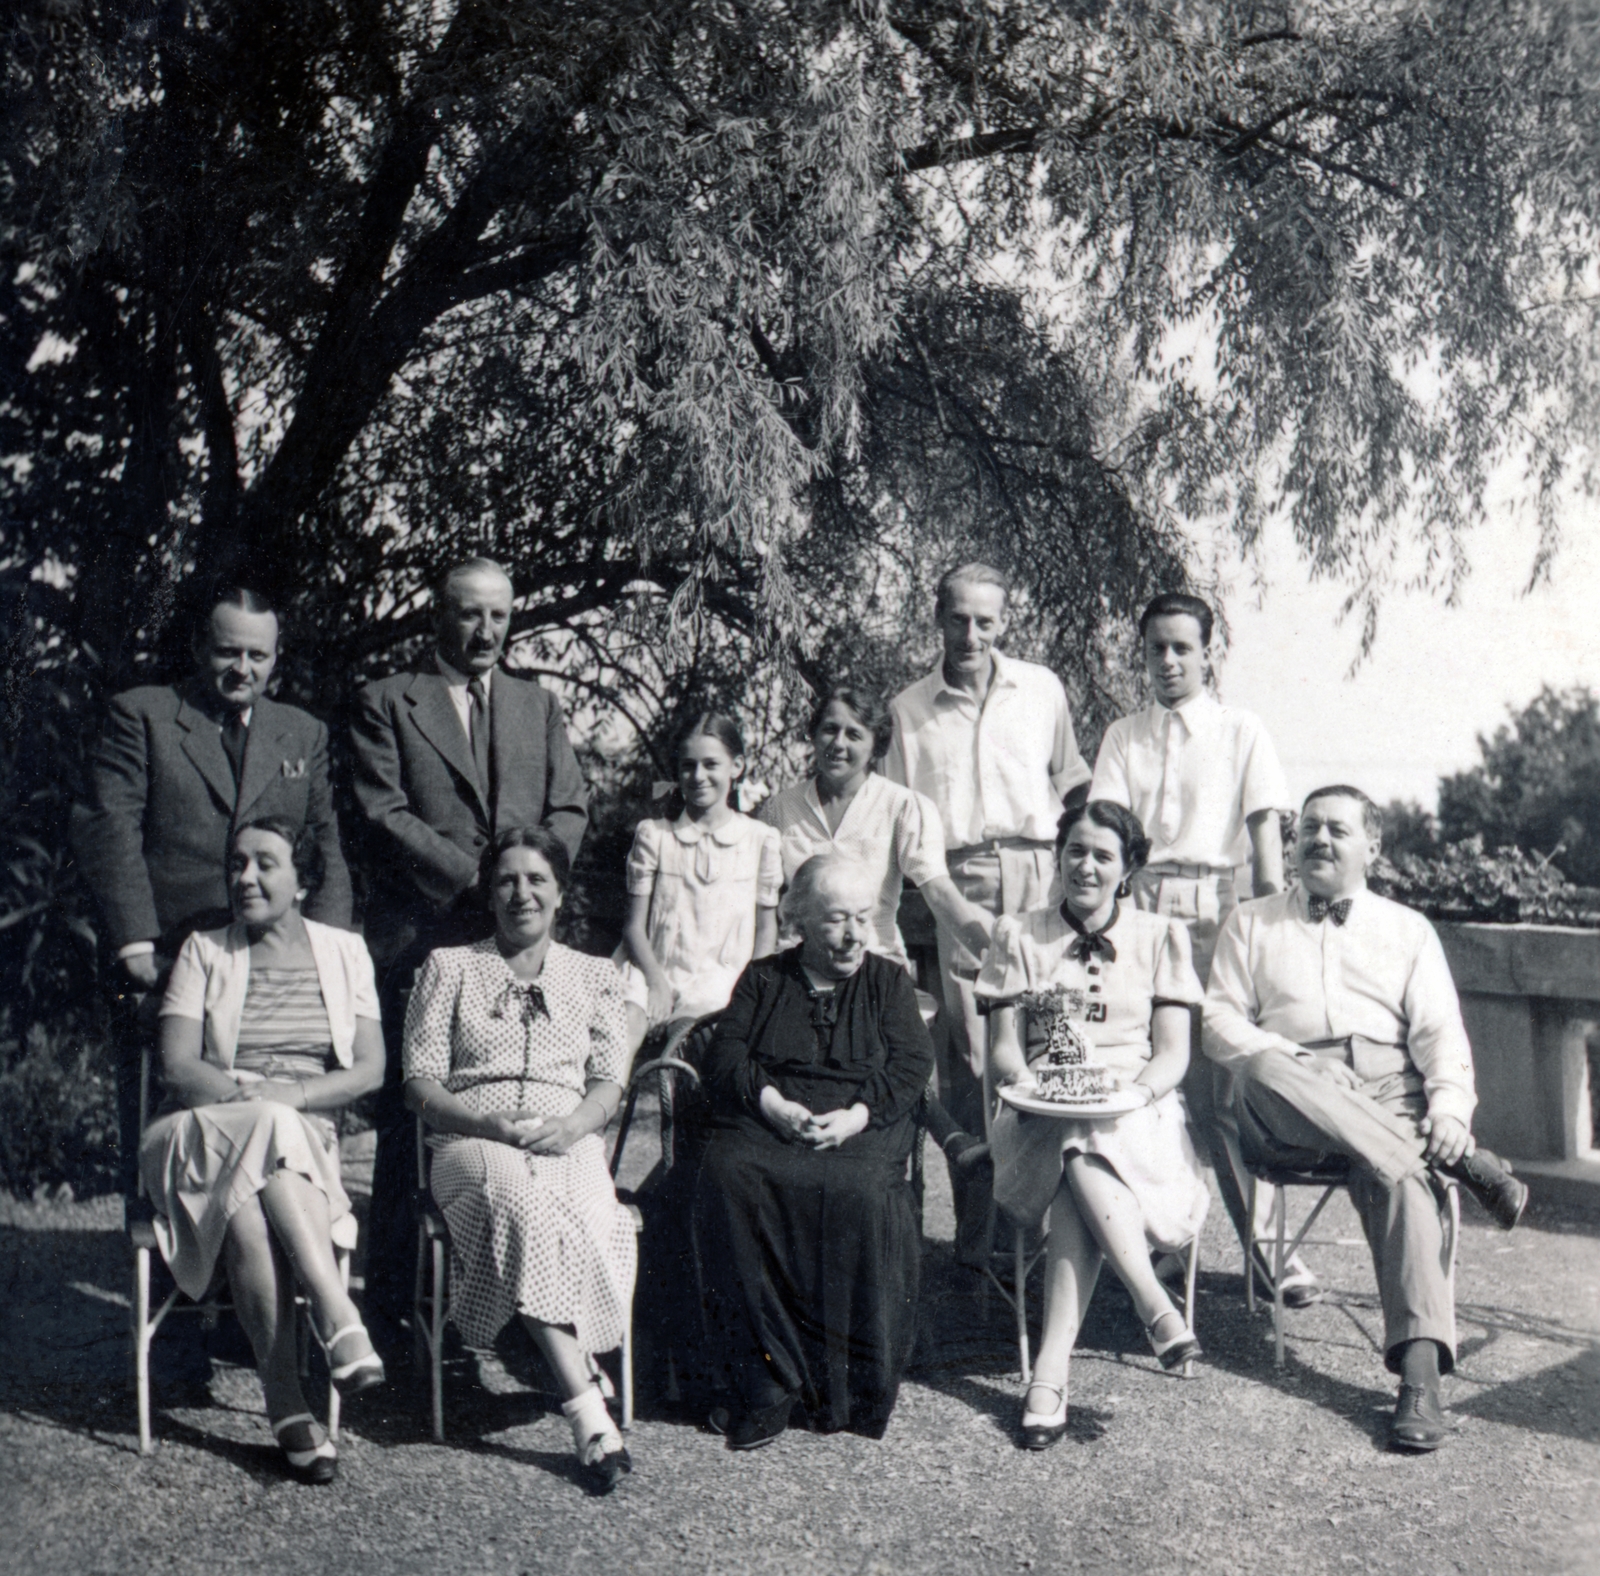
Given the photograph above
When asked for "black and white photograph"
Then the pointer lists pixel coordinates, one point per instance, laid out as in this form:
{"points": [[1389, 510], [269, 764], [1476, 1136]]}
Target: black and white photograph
{"points": [[800, 786]]}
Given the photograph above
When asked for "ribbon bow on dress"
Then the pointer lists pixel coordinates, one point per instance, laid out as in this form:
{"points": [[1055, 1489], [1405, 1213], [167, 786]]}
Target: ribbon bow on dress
{"points": [[1090, 942], [528, 995], [1336, 909]]}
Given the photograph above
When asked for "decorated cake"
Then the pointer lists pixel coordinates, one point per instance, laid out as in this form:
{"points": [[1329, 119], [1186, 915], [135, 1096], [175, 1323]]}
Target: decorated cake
{"points": [[1066, 1071]]}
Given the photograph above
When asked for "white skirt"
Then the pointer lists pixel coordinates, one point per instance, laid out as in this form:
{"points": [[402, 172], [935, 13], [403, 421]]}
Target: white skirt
{"points": [[200, 1166], [1149, 1150]]}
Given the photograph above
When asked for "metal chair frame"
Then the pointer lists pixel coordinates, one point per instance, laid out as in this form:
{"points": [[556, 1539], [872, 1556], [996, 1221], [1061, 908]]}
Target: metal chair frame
{"points": [[1284, 1248], [210, 1308]]}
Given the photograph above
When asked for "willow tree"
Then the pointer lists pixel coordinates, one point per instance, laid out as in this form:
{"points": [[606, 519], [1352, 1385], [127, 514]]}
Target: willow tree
{"points": [[723, 320]]}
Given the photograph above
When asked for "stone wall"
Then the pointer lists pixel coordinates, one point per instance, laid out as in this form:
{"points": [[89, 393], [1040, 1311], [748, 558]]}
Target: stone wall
{"points": [[1530, 995]]}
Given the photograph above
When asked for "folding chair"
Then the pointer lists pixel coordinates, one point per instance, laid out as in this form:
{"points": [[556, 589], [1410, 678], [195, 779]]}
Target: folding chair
{"points": [[142, 1240], [1329, 1177]]}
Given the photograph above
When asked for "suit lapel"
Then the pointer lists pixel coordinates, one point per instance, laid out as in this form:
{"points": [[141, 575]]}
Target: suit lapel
{"points": [[438, 722], [202, 743], [263, 755]]}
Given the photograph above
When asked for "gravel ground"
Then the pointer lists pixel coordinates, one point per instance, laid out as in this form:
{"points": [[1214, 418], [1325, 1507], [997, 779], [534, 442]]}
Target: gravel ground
{"points": [[1242, 1469]]}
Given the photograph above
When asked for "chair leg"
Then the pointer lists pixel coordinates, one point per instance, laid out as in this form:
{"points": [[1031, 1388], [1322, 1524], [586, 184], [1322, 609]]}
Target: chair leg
{"points": [[1191, 1269], [141, 1345], [627, 1372], [419, 1307], [1280, 1206], [1250, 1251], [436, 1341], [343, 1256], [1020, 1284]]}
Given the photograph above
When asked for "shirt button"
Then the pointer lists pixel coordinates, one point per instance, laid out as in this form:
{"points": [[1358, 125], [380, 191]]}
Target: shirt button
{"points": [[1094, 968]]}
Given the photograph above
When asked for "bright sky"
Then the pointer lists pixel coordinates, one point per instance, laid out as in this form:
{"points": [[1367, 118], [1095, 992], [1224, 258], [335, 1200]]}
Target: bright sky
{"points": [[1438, 675]]}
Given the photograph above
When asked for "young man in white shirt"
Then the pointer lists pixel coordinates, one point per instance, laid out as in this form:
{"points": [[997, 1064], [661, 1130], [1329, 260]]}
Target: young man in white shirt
{"points": [[1335, 1011], [1205, 781], [989, 740]]}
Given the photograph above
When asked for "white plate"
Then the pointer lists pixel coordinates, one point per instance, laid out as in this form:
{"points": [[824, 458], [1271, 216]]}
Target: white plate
{"points": [[1118, 1103]]}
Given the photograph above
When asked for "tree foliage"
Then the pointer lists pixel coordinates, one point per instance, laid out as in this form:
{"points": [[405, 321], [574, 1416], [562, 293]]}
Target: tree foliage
{"points": [[1538, 786]]}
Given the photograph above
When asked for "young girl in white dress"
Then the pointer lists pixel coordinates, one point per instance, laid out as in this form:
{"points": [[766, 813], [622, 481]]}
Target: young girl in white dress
{"points": [[702, 890]]}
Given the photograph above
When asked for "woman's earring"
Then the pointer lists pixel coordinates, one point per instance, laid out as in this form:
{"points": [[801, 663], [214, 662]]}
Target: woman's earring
{"points": [[1125, 887]]}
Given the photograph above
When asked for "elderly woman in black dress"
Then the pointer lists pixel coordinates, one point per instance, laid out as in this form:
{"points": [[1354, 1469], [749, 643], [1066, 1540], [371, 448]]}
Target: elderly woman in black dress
{"points": [[806, 1239]]}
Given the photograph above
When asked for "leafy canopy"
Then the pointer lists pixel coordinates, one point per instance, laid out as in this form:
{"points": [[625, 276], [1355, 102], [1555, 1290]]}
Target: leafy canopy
{"points": [[728, 324]]}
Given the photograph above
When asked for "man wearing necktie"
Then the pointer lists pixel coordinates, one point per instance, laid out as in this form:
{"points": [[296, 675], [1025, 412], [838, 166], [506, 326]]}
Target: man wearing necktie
{"points": [[1335, 1011], [445, 757], [1205, 781], [175, 770]]}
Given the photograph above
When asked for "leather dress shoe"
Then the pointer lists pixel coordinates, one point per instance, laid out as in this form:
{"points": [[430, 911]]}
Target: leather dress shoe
{"points": [[756, 1429], [1418, 1423], [1488, 1179]]}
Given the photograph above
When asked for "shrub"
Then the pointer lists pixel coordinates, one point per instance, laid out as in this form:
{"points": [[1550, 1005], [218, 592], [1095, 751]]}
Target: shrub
{"points": [[58, 1113], [1465, 883]]}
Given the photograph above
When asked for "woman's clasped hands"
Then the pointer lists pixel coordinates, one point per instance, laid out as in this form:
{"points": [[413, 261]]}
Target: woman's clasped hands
{"points": [[828, 1131], [538, 1134]]}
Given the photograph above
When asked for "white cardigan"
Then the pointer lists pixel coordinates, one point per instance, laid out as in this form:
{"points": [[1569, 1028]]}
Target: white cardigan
{"points": [[212, 973]]}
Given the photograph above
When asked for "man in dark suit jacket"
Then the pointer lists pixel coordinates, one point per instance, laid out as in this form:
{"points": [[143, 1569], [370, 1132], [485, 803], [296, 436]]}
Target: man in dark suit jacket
{"points": [[445, 757], [177, 768]]}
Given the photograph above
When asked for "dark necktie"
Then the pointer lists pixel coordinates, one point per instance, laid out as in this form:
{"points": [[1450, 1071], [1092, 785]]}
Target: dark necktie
{"points": [[1338, 909], [480, 733], [234, 737]]}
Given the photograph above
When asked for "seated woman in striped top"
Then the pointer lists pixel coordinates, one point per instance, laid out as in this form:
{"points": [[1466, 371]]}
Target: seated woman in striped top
{"points": [[268, 1027]]}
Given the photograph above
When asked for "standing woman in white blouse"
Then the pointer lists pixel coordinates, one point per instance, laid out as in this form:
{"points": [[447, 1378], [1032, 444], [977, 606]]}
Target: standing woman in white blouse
{"points": [[891, 832]]}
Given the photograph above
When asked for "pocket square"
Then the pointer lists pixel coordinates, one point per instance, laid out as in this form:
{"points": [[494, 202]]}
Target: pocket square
{"points": [[293, 769]]}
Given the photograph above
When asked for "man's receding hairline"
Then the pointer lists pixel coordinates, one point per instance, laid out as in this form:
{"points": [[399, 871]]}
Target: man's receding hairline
{"points": [[482, 568]]}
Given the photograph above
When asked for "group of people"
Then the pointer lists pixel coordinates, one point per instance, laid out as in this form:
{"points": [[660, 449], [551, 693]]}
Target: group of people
{"points": [[1317, 1021]]}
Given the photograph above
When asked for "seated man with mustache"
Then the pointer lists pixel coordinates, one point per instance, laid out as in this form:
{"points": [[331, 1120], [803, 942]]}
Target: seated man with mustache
{"points": [[1335, 1011]]}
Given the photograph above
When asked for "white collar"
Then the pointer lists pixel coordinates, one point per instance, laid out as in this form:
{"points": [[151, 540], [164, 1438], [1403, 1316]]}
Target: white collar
{"points": [[942, 686], [1196, 712], [456, 679], [690, 832]]}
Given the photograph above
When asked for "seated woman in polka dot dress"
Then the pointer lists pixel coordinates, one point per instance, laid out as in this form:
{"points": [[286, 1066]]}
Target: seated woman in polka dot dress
{"points": [[515, 1055]]}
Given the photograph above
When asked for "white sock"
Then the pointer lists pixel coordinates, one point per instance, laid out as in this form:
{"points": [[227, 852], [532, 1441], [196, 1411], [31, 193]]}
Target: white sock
{"points": [[593, 1432]]}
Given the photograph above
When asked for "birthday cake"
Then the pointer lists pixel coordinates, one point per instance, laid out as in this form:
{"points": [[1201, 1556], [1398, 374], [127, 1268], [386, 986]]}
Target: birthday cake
{"points": [[1066, 1072]]}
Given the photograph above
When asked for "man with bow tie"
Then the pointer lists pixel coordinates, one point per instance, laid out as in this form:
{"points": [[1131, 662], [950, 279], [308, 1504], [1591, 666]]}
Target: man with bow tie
{"points": [[176, 769], [445, 757], [1335, 1011]]}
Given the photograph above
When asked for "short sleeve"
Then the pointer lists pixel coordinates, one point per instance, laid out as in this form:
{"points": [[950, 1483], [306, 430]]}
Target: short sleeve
{"points": [[186, 984], [608, 1039], [1174, 977], [644, 859], [1111, 767], [769, 876], [1263, 785], [363, 980], [430, 1020], [1004, 973], [919, 840]]}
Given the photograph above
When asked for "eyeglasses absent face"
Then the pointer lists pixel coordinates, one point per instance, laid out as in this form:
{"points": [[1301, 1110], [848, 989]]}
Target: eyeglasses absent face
{"points": [[524, 895], [262, 879], [1175, 656], [971, 620], [1092, 867], [474, 620], [237, 652], [1334, 847]]}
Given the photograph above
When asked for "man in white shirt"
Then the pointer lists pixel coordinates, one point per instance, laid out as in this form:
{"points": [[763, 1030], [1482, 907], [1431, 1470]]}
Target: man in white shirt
{"points": [[1335, 1011], [989, 740], [1205, 782]]}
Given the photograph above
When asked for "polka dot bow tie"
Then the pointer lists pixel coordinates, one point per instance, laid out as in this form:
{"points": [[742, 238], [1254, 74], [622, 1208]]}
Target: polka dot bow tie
{"points": [[1338, 910]]}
